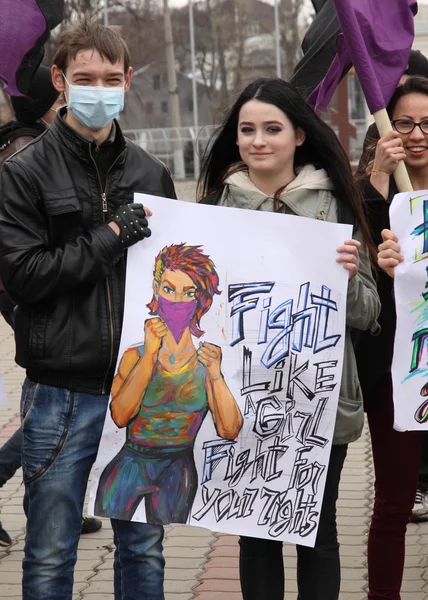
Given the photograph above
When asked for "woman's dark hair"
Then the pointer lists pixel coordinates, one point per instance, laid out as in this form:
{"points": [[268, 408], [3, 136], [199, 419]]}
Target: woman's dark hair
{"points": [[321, 147], [413, 85]]}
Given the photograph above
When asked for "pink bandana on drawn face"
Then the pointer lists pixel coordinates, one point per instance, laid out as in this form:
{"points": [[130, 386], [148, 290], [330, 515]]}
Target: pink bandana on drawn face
{"points": [[177, 316]]}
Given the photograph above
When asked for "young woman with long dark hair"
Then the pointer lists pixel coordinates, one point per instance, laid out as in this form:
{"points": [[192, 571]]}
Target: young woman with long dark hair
{"points": [[273, 153], [396, 455]]}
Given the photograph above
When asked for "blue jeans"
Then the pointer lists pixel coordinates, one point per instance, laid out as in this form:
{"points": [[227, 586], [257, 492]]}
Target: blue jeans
{"points": [[61, 434], [10, 457]]}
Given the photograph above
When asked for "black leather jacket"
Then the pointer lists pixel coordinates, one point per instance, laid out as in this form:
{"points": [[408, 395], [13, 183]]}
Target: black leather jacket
{"points": [[60, 261]]}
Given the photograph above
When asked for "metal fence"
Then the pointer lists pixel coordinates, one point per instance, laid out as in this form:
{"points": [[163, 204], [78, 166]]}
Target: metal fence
{"points": [[180, 149]]}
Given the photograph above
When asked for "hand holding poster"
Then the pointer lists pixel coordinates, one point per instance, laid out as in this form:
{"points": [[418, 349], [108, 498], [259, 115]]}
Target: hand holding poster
{"points": [[409, 222], [224, 401]]}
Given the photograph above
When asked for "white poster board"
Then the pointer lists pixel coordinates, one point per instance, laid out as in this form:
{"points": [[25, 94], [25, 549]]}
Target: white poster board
{"points": [[279, 322], [409, 222]]}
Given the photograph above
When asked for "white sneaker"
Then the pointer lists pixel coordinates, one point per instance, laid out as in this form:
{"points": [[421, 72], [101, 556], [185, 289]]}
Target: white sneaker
{"points": [[420, 508]]}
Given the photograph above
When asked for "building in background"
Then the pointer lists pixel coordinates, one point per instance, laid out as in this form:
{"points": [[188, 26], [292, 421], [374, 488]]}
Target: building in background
{"points": [[147, 101]]}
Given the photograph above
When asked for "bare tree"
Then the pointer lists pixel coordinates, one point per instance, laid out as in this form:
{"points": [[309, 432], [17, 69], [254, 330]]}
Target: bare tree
{"points": [[141, 21], [290, 11]]}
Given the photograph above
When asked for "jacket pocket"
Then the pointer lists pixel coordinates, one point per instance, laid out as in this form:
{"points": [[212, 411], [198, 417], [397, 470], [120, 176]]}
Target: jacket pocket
{"points": [[37, 334], [65, 219], [45, 429], [349, 420], [60, 206]]}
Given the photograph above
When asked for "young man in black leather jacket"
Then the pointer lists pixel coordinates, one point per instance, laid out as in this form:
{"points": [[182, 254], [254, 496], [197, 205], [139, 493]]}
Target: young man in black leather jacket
{"points": [[67, 217]]}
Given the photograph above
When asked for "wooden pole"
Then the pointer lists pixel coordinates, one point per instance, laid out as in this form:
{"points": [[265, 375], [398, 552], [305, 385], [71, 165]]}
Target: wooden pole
{"points": [[401, 175]]}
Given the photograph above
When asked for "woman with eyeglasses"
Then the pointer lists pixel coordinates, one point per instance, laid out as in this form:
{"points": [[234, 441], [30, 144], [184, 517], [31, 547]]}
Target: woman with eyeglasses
{"points": [[396, 455]]}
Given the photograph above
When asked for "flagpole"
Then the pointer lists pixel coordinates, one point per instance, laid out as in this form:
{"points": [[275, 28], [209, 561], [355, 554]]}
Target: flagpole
{"points": [[194, 91], [277, 40]]}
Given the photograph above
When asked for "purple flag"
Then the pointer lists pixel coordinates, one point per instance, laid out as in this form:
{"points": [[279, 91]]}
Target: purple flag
{"points": [[377, 36], [24, 28]]}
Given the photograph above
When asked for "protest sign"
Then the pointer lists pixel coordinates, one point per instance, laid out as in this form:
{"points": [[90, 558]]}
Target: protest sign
{"points": [[409, 221], [224, 402]]}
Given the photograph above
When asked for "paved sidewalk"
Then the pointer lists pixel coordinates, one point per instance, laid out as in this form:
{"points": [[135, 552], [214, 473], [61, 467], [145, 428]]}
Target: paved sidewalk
{"points": [[201, 564]]}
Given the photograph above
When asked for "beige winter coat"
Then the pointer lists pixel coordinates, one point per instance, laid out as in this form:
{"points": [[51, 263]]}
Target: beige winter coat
{"points": [[310, 195]]}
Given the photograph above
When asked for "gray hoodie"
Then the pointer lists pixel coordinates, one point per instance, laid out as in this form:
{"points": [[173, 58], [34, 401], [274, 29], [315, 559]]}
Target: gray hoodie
{"points": [[310, 195]]}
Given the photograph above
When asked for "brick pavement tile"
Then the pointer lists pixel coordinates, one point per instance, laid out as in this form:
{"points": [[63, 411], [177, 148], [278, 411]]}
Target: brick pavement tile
{"points": [[412, 550], [89, 566], [218, 585], [219, 573], [87, 542], [194, 542], [189, 531], [361, 495], [226, 551], [9, 590], [354, 550], [413, 573], [11, 577], [186, 563], [95, 595], [416, 560], [183, 574], [351, 540], [355, 574], [221, 562], [413, 586], [101, 575], [352, 520], [348, 585], [216, 595], [179, 587], [178, 552], [226, 540], [352, 562], [344, 504]]}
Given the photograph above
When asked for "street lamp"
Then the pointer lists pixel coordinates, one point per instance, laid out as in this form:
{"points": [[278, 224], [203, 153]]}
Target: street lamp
{"points": [[194, 91], [105, 13], [277, 40]]}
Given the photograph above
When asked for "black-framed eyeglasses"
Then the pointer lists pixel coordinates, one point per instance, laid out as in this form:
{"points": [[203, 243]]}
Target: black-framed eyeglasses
{"points": [[407, 126]]}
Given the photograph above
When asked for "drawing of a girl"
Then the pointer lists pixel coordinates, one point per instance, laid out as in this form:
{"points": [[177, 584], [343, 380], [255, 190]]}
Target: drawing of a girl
{"points": [[161, 393]]}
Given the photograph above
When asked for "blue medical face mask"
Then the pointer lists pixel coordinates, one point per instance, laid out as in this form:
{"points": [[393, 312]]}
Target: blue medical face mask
{"points": [[95, 106]]}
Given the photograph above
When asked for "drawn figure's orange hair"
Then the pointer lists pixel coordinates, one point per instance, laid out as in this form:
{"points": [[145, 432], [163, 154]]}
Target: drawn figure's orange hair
{"points": [[201, 270]]}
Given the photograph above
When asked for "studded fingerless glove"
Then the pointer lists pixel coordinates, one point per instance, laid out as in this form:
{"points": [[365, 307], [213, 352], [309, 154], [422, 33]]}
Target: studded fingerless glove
{"points": [[132, 222]]}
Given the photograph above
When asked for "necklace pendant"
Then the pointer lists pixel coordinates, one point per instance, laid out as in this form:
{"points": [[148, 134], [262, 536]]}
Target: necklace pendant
{"points": [[172, 359]]}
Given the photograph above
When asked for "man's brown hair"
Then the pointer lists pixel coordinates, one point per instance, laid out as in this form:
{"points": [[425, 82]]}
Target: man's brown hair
{"points": [[86, 34]]}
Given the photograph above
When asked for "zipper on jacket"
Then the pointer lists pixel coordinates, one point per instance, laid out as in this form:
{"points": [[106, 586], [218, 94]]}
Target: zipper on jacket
{"points": [[108, 290]]}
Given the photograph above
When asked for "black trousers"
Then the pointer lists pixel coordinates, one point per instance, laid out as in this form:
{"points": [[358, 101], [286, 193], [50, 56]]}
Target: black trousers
{"points": [[423, 470], [318, 569]]}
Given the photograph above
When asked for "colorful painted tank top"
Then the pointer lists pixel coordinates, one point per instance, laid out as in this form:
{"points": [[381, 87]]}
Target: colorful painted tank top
{"points": [[173, 407]]}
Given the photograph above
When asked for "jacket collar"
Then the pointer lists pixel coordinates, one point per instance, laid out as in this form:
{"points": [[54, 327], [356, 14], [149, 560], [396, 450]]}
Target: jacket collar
{"points": [[309, 195], [77, 143]]}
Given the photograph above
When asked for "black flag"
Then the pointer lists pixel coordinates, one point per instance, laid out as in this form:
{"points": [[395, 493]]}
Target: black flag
{"points": [[319, 48]]}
